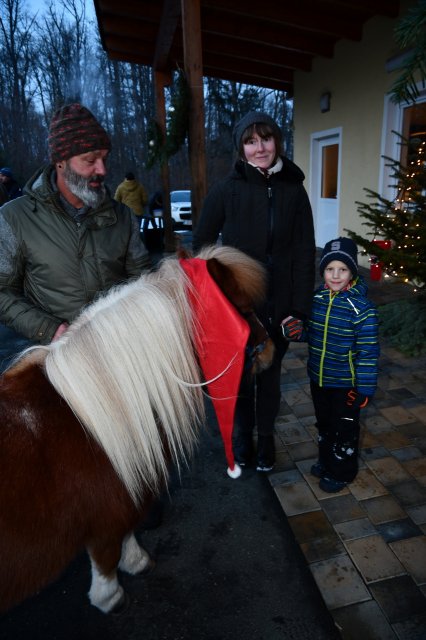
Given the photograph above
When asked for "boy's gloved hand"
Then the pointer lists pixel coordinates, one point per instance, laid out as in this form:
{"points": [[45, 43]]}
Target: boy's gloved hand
{"points": [[356, 400], [292, 328]]}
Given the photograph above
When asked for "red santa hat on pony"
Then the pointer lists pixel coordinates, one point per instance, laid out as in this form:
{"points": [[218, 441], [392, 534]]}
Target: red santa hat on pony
{"points": [[221, 341]]}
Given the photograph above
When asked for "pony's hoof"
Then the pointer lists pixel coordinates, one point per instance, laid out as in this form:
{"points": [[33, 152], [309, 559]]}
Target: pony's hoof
{"points": [[121, 606]]}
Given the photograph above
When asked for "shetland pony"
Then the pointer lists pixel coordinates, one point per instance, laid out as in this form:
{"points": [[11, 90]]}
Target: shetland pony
{"points": [[91, 423]]}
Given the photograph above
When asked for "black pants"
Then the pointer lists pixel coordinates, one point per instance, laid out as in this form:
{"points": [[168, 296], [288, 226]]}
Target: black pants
{"points": [[338, 432], [259, 396]]}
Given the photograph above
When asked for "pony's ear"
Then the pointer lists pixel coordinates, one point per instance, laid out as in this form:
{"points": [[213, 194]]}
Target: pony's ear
{"points": [[226, 280], [183, 253]]}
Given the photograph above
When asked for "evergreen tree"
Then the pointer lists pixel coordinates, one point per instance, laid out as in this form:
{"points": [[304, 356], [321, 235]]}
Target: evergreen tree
{"points": [[401, 222], [410, 36]]}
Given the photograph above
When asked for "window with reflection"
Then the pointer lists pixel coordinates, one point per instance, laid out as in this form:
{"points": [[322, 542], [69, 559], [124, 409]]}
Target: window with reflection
{"points": [[330, 157]]}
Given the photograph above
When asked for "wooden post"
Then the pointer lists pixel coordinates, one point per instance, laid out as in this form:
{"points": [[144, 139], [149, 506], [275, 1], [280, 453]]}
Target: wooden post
{"points": [[161, 80], [193, 64]]}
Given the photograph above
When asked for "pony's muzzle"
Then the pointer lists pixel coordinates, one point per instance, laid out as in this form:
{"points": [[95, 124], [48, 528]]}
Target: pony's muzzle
{"points": [[260, 356]]}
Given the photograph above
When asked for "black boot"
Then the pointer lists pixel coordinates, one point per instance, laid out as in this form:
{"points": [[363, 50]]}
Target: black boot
{"points": [[265, 453]]}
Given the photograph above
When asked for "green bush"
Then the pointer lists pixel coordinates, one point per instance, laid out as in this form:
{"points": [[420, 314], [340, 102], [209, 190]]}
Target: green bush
{"points": [[404, 324]]}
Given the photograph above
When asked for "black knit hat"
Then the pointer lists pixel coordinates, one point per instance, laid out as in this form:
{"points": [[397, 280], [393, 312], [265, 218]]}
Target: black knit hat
{"points": [[74, 130], [343, 249], [254, 117]]}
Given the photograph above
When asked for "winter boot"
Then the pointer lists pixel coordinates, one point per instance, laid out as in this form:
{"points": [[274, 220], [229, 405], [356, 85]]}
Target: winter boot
{"points": [[243, 448], [265, 453]]}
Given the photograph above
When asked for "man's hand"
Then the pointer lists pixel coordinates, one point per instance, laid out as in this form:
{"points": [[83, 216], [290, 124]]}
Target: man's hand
{"points": [[292, 328], [356, 400]]}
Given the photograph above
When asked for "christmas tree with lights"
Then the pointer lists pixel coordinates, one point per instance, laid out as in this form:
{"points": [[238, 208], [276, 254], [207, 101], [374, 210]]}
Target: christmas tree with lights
{"points": [[397, 247], [397, 236]]}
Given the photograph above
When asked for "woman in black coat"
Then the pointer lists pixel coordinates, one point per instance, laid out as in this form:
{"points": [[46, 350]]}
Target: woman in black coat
{"points": [[263, 209]]}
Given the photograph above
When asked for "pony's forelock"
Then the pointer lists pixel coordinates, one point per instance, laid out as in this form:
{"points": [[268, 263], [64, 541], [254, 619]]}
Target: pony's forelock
{"points": [[249, 273]]}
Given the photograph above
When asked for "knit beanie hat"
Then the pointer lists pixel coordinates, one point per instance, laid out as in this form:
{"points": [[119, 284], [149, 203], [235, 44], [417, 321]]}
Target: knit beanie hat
{"points": [[343, 249], [253, 117], [74, 130], [6, 172]]}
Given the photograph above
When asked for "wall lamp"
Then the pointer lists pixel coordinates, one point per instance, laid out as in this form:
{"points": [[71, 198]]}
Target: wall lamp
{"points": [[325, 102]]}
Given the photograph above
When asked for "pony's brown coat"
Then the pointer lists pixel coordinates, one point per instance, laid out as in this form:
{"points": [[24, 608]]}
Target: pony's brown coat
{"points": [[59, 491]]}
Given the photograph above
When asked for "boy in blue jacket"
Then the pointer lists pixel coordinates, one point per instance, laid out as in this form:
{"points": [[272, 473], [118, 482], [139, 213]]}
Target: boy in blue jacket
{"points": [[342, 335]]}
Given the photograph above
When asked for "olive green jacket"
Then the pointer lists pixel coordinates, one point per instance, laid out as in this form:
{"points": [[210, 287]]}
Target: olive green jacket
{"points": [[52, 265], [133, 194]]}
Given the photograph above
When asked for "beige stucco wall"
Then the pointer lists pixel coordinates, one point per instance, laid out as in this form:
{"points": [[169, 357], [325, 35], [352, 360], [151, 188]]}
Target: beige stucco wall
{"points": [[358, 82]]}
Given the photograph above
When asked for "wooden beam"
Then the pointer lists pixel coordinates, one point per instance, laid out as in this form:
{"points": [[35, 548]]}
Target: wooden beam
{"points": [[217, 61], [243, 40], [267, 81], [161, 80], [193, 65], [257, 52], [309, 15], [133, 50], [252, 32], [170, 19]]}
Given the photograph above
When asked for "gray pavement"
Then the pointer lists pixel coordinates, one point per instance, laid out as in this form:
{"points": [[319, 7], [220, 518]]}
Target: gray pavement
{"points": [[365, 546]]}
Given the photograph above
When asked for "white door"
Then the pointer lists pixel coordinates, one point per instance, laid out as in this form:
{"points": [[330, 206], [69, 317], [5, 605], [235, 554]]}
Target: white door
{"points": [[325, 182]]}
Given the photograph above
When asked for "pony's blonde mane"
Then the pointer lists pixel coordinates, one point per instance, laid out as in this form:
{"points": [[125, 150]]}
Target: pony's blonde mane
{"points": [[128, 370]]}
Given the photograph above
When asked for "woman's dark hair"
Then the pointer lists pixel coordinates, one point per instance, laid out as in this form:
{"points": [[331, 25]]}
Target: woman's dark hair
{"points": [[263, 130], [130, 176]]}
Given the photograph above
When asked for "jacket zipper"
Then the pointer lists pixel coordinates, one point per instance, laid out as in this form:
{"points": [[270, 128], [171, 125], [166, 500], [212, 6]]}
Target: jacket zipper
{"points": [[324, 342], [351, 365], [270, 220], [270, 297]]}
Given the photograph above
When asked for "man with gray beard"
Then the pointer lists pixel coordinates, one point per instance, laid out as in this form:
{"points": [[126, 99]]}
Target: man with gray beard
{"points": [[66, 240]]}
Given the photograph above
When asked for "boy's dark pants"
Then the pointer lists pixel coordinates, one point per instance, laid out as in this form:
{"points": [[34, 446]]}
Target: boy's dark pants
{"points": [[338, 432]]}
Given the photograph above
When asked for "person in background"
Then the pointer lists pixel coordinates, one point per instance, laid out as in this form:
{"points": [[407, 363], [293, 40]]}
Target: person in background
{"points": [[9, 185], [154, 207], [342, 335], [66, 240], [133, 194], [262, 208]]}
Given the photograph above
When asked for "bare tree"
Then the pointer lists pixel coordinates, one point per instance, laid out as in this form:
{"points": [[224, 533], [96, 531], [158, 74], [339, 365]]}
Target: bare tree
{"points": [[64, 70], [17, 111]]}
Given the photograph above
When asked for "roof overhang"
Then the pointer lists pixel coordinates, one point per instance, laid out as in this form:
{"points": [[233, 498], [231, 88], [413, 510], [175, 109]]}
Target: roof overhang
{"points": [[258, 43]]}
